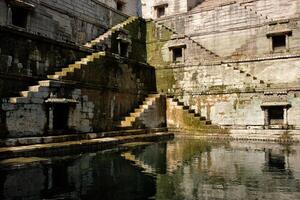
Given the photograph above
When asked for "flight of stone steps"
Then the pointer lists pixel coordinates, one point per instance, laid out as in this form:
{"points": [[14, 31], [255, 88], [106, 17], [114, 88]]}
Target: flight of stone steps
{"points": [[107, 36], [76, 66], [248, 5], [35, 94], [186, 119], [253, 78], [188, 37], [135, 119], [210, 4]]}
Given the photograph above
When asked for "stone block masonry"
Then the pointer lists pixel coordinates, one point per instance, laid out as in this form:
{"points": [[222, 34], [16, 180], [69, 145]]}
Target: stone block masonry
{"points": [[253, 81]]}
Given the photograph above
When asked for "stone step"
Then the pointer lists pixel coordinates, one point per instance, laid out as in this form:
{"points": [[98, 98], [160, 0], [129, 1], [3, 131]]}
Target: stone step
{"points": [[26, 94], [144, 107], [130, 119], [24, 141], [139, 110], [148, 103], [125, 124], [55, 77], [17, 100], [108, 34], [61, 73], [38, 88], [69, 69], [135, 114], [62, 148]]}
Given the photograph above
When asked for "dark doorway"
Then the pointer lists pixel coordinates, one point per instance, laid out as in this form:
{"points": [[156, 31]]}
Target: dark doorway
{"points": [[124, 49], [60, 116], [276, 115], [19, 17]]}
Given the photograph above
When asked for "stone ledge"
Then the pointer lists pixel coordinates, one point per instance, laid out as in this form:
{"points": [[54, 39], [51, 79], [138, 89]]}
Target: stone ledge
{"points": [[23, 141], [276, 136], [80, 146]]}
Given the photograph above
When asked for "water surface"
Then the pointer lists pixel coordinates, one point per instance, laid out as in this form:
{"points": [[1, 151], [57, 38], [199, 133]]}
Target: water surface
{"points": [[180, 169]]}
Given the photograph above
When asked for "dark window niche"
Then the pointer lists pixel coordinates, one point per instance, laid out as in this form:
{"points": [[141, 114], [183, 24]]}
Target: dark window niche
{"points": [[160, 11], [177, 54], [279, 42], [120, 5], [276, 115], [19, 16]]}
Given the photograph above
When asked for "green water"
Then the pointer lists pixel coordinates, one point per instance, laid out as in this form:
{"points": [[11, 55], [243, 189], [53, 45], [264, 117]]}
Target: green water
{"points": [[179, 169]]}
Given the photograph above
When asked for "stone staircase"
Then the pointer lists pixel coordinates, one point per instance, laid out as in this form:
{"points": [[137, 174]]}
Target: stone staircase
{"points": [[188, 37], [181, 117], [135, 119], [210, 4], [252, 78], [35, 94], [105, 38], [249, 6], [78, 65]]}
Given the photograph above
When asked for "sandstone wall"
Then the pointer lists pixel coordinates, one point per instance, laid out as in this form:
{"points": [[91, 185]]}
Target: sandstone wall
{"points": [[69, 21], [229, 64], [214, 26], [51, 38]]}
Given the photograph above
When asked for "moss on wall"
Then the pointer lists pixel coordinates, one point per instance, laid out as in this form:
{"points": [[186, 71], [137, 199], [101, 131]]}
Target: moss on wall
{"points": [[157, 39]]}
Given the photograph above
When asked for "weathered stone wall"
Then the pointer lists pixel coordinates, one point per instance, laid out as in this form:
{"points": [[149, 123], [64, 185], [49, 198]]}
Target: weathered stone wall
{"points": [[172, 7], [69, 21], [50, 39], [101, 92], [26, 59], [98, 96], [214, 27], [115, 88], [231, 98], [229, 65]]}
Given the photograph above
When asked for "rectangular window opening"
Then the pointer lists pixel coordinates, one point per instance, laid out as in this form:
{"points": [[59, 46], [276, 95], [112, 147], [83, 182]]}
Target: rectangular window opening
{"points": [[276, 115], [279, 42], [177, 54], [19, 16], [161, 11], [120, 5]]}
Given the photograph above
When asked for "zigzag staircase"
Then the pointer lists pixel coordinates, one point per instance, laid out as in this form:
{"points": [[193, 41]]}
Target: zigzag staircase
{"points": [[248, 5], [186, 119], [188, 37], [135, 119], [36, 93], [78, 65], [253, 78], [104, 38]]}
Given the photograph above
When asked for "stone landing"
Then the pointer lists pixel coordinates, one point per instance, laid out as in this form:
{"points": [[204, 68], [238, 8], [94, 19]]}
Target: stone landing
{"points": [[46, 146]]}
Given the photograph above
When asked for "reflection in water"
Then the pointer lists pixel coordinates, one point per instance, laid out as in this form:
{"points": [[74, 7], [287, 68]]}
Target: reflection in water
{"points": [[180, 169]]}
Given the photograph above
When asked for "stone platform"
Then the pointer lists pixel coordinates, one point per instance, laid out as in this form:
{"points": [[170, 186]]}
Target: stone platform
{"points": [[278, 136], [62, 145]]}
